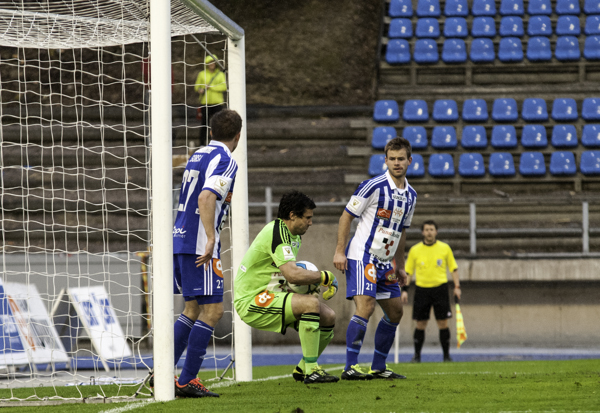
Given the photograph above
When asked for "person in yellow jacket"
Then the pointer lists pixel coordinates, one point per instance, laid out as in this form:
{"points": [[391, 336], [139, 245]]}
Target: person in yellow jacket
{"points": [[210, 86], [428, 261]]}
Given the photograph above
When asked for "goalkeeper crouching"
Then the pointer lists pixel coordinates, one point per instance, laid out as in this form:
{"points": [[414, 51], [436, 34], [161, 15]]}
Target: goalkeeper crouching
{"points": [[262, 297]]}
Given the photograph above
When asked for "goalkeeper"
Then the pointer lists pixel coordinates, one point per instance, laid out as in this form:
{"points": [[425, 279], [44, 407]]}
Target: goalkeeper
{"points": [[262, 300]]}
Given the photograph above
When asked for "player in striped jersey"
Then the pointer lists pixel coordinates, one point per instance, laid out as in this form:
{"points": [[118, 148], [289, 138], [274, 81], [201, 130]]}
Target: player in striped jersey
{"points": [[197, 271], [384, 206]]}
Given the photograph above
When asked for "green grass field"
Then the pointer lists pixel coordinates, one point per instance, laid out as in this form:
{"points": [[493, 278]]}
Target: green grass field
{"points": [[519, 386]]}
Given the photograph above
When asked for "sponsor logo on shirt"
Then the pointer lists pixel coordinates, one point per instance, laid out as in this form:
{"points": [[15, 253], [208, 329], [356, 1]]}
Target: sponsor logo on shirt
{"points": [[179, 232], [206, 149], [389, 232], [243, 268], [287, 252], [264, 299], [217, 267], [353, 204], [196, 158], [371, 273], [295, 244], [390, 277], [384, 214], [439, 262], [399, 197]]}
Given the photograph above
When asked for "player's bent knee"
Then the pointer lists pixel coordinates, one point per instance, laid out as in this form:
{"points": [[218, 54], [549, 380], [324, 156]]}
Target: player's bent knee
{"points": [[327, 316], [302, 303]]}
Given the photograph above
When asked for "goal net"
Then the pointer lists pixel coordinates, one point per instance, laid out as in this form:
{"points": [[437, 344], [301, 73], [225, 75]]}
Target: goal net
{"points": [[80, 296]]}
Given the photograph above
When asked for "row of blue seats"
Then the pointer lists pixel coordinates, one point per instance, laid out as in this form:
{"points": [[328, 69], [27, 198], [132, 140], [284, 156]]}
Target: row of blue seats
{"points": [[475, 110], [460, 8], [510, 26], [501, 164], [502, 137], [510, 50]]}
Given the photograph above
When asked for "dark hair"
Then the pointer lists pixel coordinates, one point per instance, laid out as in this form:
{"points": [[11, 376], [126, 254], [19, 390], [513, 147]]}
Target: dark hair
{"points": [[429, 222], [225, 125], [296, 202], [399, 143]]}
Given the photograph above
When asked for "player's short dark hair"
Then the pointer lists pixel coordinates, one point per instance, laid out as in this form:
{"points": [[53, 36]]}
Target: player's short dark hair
{"points": [[296, 202], [398, 143], [429, 222], [225, 125]]}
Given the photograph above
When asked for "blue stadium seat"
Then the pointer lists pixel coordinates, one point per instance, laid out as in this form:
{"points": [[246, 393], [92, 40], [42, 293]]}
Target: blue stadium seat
{"points": [[454, 51], [590, 109], [441, 165], [417, 168], [534, 109], [426, 51], [400, 8], [382, 135], [539, 26], [377, 165], [512, 8], [415, 110], [534, 136], [483, 27], [567, 48], [474, 137], [564, 109], [501, 164], [456, 27], [483, 8], [505, 110], [564, 136], [397, 52], [386, 111], [482, 50], [456, 8], [567, 7], [591, 48], [591, 7], [590, 163], [562, 163], [427, 28], [444, 137], [590, 137], [428, 8], [400, 28], [475, 110], [417, 136], [511, 26], [537, 7], [471, 165], [445, 110], [510, 50], [504, 137], [592, 25], [568, 26], [532, 164], [538, 49]]}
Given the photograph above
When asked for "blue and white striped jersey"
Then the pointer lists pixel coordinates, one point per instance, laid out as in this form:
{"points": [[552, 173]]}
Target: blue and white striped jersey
{"points": [[211, 168], [383, 211]]}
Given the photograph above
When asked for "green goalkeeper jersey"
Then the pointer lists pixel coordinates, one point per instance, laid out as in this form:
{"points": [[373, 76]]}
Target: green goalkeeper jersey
{"points": [[259, 270]]}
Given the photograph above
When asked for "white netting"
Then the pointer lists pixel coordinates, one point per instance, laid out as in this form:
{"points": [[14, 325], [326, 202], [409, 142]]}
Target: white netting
{"points": [[75, 152]]}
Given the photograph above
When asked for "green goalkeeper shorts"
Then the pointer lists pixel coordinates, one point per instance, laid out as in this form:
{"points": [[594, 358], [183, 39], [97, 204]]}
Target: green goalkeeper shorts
{"points": [[269, 310]]}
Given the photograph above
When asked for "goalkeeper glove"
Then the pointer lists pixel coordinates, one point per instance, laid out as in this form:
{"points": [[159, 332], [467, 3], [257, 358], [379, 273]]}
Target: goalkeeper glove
{"points": [[328, 280]]}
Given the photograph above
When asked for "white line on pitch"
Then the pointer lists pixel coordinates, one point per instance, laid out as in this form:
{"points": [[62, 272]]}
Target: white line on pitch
{"points": [[129, 406], [230, 383]]}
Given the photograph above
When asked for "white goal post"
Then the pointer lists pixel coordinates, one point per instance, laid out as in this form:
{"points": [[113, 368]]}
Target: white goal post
{"points": [[59, 113]]}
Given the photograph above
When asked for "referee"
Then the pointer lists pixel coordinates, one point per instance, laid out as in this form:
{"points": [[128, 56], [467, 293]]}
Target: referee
{"points": [[428, 261]]}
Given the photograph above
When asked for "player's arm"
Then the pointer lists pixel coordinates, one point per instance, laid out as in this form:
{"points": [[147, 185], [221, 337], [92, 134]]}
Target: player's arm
{"points": [[404, 295], [456, 279], [399, 257], [339, 258], [298, 275], [207, 203]]}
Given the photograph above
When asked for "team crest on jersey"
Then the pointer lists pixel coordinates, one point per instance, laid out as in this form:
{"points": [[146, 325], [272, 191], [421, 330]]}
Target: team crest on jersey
{"points": [[383, 213], [288, 254], [397, 215], [295, 244], [217, 267], [371, 273], [353, 204]]}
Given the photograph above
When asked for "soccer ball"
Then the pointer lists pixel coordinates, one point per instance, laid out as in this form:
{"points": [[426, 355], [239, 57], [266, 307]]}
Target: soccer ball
{"points": [[309, 288]]}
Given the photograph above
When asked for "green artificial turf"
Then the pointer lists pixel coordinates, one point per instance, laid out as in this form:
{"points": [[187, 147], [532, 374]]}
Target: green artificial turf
{"points": [[519, 386]]}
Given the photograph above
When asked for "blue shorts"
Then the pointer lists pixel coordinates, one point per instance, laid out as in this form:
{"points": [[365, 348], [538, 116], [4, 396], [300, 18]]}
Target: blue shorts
{"points": [[204, 284], [378, 281]]}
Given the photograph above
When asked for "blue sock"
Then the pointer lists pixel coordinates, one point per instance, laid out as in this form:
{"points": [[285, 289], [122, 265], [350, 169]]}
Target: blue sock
{"points": [[198, 341], [384, 338], [354, 339], [183, 327]]}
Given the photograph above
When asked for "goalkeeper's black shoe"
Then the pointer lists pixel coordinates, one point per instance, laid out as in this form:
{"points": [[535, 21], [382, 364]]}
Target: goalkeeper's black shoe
{"points": [[298, 374], [355, 373], [318, 375], [194, 389], [385, 374]]}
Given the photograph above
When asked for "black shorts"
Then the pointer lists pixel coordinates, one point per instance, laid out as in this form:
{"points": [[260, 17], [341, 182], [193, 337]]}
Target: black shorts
{"points": [[437, 297]]}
